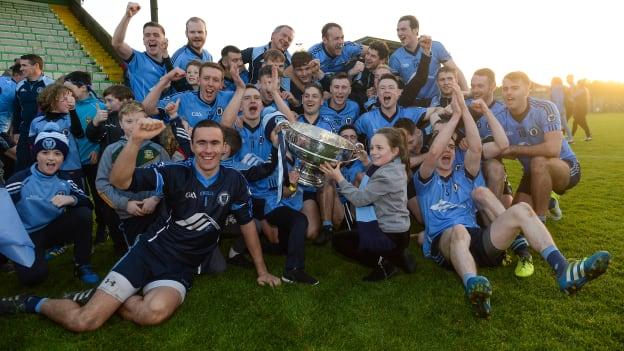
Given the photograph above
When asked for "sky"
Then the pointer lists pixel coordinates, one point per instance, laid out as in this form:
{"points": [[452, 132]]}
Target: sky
{"points": [[544, 38]]}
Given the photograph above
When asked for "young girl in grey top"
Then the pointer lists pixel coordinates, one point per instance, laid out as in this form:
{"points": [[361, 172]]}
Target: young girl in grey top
{"points": [[381, 208]]}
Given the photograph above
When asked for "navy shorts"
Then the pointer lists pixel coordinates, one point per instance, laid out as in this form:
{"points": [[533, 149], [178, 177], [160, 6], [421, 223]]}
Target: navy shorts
{"points": [[481, 248], [575, 178]]}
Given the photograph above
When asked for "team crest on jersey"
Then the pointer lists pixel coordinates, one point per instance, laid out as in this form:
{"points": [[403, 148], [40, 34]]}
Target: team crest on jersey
{"points": [[349, 120], [39, 90], [551, 117], [48, 144], [148, 155], [219, 111], [223, 198], [533, 131], [457, 167], [455, 187]]}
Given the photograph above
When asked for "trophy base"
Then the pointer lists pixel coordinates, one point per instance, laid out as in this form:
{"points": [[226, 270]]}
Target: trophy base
{"points": [[310, 175]]}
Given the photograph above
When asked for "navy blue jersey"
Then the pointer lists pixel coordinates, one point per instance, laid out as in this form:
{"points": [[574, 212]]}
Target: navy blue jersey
{"points": [[347, 115], [541, 117], [368, 123], [198, 207], [143, 73], [405, 63], [445, 202], [194, 110], [32, 193], [186, 54], [26, 107], [334, 64]]}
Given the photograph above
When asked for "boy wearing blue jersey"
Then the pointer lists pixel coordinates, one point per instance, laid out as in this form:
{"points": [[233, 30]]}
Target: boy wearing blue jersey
{"points": [[209, 102], [48, 205], [144, 68], [200, 195], [450, 198], [534, 130], [406, 59]]}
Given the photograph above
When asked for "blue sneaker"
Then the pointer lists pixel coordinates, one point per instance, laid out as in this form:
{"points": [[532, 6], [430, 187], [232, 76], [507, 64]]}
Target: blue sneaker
{"points": [[478, 291], [55, 252], [86, 274], [579, 273]]}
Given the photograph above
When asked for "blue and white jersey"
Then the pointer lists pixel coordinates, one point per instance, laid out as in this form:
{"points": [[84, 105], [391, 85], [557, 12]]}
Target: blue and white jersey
{"points": [[320, 122], [32, 193], [368, 123], [63, 125], [26, 108], [7, 102], [347, 115], [186, 54], [445, 202], [255, 58], [198, 208], [86, 111], [405, 63], [334, 64], [256, 148], [349, 172], [295, 201], [541, 117], [143, 73], [229, 85], [496, 107], [194, 110]]}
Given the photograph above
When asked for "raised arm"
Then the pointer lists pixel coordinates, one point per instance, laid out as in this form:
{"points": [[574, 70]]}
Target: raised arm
{"points": [[121, 174], [438, 146], [231, 111], [501, 142], [151, 100], [282, 106], [118, 41], [472, 162]]}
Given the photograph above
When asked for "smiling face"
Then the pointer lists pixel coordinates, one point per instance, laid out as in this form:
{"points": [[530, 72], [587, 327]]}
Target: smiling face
{"points": [[445, 82], [192, 75], [515, 95], [207, 145], [312, 100], [62, 104], [49, 161], [371, 59], [153, 37], [380, 151], [406, 34], [282, 38], [350, 135], [482, 88], [210, 83], [196, 35], [29, 70], [334, 41], [339, 90]]}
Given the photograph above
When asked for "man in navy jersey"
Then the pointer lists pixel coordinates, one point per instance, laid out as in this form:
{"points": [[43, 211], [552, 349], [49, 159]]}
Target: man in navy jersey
{"points": [[200, 194], [195, 106], [144, 68], [334, 53], [194, 48], [281, 38], [534, 130], [376, 55], [231, 56], [406, 59], [449, 199], [339, 109]]}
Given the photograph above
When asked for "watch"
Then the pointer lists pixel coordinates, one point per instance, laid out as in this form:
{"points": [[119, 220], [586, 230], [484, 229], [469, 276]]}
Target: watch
{"points": [[292, 188]]}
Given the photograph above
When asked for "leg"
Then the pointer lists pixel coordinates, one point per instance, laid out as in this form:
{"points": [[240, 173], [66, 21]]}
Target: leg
{"points": [[519, 217], [488, 203], [454, 245], [582, 121], [494, 173], [311, 211], [338, 214], [155, 307], [80, 319], [547, 174]]}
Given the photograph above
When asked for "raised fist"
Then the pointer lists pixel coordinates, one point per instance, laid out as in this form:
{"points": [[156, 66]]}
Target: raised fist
{"points": [[132, 9]]}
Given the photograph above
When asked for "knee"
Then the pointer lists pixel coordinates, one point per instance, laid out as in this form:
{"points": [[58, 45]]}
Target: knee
{"points": [[460, 236], [522, 210], [158, 311], [495, 171], [538, 165], [85, 322], [480, 194]]}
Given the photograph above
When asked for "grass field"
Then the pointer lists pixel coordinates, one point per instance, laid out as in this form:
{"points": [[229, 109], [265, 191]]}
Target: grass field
{"points": [[425, 310]]}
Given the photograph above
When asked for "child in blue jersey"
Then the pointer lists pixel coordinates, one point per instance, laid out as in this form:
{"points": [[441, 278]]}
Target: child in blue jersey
{"points": [[381, 208], [135, 211], [48, 206], [58, 105], [449, 200]]}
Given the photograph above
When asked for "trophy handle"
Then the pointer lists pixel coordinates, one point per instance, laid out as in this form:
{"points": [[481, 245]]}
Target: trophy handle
{"points": [[358, 147]]}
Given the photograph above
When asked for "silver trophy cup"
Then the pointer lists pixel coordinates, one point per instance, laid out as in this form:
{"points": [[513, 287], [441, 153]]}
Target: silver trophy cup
{"points": [[313, 146]]}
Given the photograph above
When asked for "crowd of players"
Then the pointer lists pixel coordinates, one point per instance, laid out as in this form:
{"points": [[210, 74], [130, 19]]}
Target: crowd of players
{"points": [[190, 148]]}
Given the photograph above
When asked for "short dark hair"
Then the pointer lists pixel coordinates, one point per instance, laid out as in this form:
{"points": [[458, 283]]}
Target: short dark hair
{"points": [[78, 78], [300, 58], [313, 85], [389, 76], [339, 75], [232, 138], [33, 59], [154, 24], [207, 123], [329, 26], [265, 71], [229, 48], [119, 92], [345, 127], [412, 21], [446, 69], [381, 48], [406, 124]]}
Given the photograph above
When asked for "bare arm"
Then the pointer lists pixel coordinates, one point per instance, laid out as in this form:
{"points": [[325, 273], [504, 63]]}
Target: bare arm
{"points": [[253, 245], [501, 142], [439, 145], [118, 41], [463, 84], [473, 155], [231, 111], [151, 100], [551, 147], [277, 97]]}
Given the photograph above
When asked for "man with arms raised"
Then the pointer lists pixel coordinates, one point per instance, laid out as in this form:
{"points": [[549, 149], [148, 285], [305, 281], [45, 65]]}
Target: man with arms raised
{"points": [[201, 194]]}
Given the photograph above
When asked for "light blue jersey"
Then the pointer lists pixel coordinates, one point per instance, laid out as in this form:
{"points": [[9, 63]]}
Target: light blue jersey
{"points": [[7, 102], [186, 54], [368, 123], [347, 115], [529, 129], [194, 110], [143, 72], [485, 131], [334, 64], [405, 63], [445, 202], [86, 111]]}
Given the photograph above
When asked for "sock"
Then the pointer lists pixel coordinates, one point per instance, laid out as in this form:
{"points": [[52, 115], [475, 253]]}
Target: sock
{"points": [[551, 203], [38, 306], [520, 246], [467, 277], [328, 224], [542, 218], [555, 259], [232, 253], [32, 303]]}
